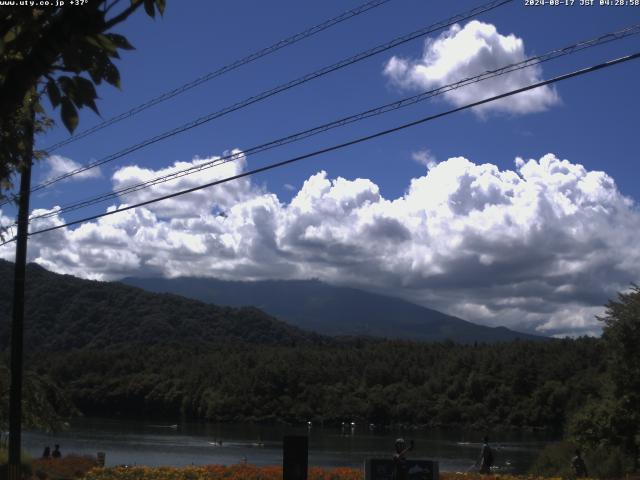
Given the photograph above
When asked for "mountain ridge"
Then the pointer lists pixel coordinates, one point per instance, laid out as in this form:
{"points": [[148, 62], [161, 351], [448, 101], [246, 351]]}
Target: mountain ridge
{"points": [[333, 310], [63, 312]]}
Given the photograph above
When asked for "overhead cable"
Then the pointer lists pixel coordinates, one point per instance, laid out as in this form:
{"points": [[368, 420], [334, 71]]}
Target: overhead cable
{"points": [[365, 7], [276, 90], [529, 62], [576, 73]]}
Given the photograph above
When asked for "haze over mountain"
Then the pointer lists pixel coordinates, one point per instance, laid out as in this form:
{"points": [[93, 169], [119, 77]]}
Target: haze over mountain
{"points": [[331, 310]]}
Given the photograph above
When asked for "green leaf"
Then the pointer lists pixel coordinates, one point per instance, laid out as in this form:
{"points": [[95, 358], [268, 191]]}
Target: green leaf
{"points": [[69, 114], [91, 39], [107, 44], [101, 44], [66, 84], [111, 74], [10, 36], [85, 86], [120, 41], [150, 8], [161, 4], [95, 72], [53, 92], [85, 93], [79, 58]]}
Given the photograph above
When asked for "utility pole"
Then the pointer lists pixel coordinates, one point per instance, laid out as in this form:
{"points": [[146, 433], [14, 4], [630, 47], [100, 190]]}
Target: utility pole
{"points": [[17, 323]]}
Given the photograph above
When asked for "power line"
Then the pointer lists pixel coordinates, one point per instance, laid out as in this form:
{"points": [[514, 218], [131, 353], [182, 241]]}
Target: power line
{"points": [[283, 87], [554, 54], [271, 166], [221, 71]]}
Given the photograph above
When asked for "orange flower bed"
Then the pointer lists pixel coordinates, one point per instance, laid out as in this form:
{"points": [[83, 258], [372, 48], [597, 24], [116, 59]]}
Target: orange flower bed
{"points": [[86, 468], [216, 472], [71, 466], [251, 472]]}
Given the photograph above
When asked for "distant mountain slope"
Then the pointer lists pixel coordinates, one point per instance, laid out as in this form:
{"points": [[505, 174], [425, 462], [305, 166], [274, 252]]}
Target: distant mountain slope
{"points": [[64, 312], [316, 306]]}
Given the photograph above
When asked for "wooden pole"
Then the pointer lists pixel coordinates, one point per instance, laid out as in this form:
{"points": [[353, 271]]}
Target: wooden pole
{"points": [[17, 323]]}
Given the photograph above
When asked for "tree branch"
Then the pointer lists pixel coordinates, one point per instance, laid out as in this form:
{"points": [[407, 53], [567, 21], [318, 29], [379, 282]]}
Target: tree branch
{"points": [[122, 16], [109, 7]]}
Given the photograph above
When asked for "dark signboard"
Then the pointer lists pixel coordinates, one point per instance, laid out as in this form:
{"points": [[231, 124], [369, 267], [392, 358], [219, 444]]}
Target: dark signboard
{"points": [[384, 469], [295, 457]]}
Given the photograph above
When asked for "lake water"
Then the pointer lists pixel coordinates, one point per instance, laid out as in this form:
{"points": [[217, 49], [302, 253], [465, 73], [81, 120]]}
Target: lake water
{"points": [[152, 443]]}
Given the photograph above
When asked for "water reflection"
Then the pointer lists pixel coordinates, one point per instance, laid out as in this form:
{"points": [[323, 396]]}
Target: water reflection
{"points": [[157, 443]]}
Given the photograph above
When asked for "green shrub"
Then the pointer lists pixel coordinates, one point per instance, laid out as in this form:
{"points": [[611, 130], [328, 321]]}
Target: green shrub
{"points": [[4, 457], [555, 461], [603, 462], [607, 462]]}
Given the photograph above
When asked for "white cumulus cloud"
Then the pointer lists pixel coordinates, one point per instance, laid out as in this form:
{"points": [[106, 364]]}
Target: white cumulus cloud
{"points": [[463, 52], [424, 157], [201, 201], [58, 165], [540, 247]]}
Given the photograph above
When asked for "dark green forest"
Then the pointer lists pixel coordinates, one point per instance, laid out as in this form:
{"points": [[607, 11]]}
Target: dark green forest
{"points": [[517, 384]]}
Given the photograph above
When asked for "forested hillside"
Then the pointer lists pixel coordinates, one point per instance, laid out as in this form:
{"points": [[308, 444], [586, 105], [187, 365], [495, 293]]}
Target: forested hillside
{"points": [[118, 350], [64, 312]]}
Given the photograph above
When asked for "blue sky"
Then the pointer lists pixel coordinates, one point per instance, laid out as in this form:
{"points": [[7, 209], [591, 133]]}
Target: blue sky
{"points": [[454, 264]]}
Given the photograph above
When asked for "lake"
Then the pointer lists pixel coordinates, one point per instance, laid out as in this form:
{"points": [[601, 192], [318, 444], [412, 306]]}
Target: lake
{"points": [[155, 443]]}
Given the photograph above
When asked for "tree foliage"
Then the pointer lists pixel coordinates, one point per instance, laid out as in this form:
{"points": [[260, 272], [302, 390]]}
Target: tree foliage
{"points": [[380, 382], [45, 405], [622, 338], [610, 419], [62, 53]]}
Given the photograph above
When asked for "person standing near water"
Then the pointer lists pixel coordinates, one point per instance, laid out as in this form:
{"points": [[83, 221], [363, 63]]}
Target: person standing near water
{"points": [[486, 457], [579, 467], [47, 452], [56, 452], [400, 470]]}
